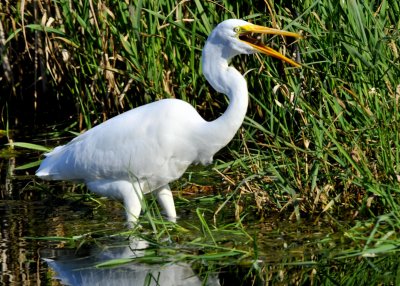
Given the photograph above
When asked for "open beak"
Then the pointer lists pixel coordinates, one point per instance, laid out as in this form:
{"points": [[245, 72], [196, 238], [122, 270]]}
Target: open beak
{"points": [[245, 36]]}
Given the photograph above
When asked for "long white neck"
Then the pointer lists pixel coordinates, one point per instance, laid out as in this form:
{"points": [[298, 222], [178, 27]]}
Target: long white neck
{"points": [[227, 80]]}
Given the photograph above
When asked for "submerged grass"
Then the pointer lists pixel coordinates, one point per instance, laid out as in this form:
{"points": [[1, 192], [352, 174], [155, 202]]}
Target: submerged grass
{"points": [[323, 139]]}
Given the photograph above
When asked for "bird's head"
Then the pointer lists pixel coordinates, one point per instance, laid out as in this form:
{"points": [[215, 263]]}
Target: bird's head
{"points": [[238, 37]]}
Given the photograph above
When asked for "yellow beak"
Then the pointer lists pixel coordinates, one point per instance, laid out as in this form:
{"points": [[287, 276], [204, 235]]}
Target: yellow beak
{"points": [[244, 35]]}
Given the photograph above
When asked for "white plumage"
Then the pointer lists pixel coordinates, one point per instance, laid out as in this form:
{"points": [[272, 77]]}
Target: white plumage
{"points": [[144, 149]]}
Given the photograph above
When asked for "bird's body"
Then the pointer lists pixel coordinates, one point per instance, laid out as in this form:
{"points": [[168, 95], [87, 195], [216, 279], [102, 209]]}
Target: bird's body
{"points": [[144, 149], [145, 142]]}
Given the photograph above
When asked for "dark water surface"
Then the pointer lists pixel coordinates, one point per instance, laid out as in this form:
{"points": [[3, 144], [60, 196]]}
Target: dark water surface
{"points": [[34, 216]]}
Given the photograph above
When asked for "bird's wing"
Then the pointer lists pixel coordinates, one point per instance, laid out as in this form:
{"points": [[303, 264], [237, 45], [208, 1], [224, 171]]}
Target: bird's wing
{"points": [[155, 142]]}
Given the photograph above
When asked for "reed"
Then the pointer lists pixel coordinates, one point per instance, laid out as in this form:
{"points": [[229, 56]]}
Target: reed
{"points": [[323, 139]]}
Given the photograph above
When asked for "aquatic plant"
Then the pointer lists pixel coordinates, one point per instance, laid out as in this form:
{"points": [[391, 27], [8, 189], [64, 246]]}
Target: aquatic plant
{"points": [[321, 142]]}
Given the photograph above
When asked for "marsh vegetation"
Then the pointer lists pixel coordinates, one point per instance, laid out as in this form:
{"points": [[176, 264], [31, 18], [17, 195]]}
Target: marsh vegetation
{"points": [[309, 186]]}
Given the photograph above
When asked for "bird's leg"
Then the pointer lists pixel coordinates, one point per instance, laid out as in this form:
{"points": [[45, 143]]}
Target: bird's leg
{"points": [[166, 201], [129, 192], [133, 204]]}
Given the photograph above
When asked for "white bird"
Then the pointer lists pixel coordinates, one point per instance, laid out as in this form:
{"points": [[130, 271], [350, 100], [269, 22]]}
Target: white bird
{"points": [[146, 148]]}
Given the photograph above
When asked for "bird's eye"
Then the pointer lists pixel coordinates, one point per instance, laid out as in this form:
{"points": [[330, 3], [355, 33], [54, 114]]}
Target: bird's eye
{"points": [[236, 29]]}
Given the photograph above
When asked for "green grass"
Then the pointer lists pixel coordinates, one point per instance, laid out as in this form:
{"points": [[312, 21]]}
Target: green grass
{"points": [[322, 140]]}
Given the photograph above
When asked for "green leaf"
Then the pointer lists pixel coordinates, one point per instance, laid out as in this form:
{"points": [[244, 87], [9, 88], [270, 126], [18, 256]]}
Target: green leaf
{"points": [[114, 262], [29, 165], [29, 146]]}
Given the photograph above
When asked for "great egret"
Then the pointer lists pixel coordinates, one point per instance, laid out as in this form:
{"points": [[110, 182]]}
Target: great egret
{"points": [[144, 149]]}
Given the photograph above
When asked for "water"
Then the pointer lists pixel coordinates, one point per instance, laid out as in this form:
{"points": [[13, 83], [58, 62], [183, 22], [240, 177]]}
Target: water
{"points": [[74, 268], [35, 216]]}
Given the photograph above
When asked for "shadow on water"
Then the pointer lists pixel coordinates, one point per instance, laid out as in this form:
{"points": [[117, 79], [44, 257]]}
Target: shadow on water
{"points": [[57, 236]]}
